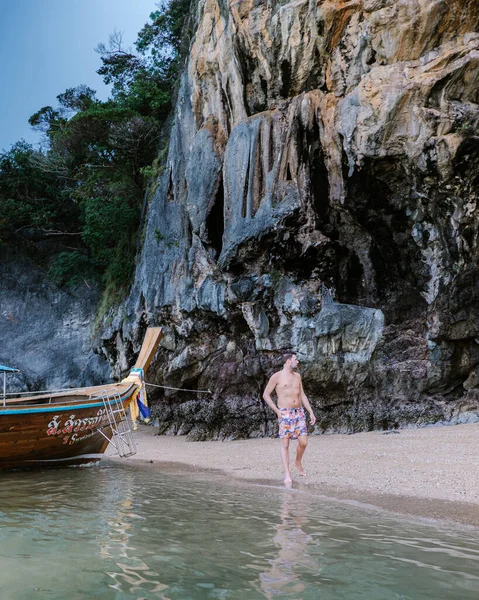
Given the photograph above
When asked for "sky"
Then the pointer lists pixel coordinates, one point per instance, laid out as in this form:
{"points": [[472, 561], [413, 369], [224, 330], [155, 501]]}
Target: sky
{"points": [[47, 46]]}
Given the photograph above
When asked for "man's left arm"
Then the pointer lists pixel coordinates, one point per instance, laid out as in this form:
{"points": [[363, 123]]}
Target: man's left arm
{"points": [[306, 404]]}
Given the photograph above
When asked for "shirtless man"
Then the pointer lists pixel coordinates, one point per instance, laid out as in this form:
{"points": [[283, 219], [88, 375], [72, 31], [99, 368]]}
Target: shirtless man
{"points": [[292, 420]]}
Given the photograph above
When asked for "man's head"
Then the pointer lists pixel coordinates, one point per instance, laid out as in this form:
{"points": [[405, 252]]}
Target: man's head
{"points": [[290, 360]]}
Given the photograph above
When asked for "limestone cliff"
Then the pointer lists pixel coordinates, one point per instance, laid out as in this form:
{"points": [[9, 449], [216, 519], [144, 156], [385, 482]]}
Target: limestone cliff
{"points": [[317, 142], [45, 331]]}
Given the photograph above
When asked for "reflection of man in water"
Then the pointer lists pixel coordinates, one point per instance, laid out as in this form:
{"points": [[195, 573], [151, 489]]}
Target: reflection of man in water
{"points": [[293, 566], [292, 421]]}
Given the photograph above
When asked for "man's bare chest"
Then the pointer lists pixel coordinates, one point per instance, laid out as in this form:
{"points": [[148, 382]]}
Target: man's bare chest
{"points": [[289, 384]]}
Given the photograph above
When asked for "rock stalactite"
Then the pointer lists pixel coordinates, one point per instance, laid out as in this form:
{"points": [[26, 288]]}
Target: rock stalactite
{"points": [[315, 143]]}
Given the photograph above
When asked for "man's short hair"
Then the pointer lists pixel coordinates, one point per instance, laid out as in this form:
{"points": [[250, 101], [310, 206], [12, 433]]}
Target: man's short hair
{"points": [[288, 356]]}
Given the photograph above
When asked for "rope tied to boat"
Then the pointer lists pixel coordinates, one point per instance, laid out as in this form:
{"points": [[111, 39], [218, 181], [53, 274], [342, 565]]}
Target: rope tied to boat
{"points": [[133, 379], [166, 387]]}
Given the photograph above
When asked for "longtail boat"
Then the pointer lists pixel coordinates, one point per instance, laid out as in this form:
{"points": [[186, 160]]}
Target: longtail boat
{"points": [[72, 427]]}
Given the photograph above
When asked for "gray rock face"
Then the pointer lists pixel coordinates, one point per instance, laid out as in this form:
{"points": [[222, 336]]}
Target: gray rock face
{"points": [[317, 143], [255, 202], [46, 333]]}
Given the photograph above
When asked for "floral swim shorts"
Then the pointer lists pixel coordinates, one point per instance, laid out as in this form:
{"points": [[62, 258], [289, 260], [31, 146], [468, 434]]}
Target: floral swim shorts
{"points": [[292, 423]]}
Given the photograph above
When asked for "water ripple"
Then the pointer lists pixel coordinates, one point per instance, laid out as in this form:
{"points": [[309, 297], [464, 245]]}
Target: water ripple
{"points": [[122, 533]]}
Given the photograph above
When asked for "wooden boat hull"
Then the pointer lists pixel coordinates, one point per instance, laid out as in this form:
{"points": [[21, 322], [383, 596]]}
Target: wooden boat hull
{"points": [[73, 427], [55, 435]]}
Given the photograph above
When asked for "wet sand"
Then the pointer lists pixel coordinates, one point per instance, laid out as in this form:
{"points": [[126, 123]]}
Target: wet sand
{"points": [[431, 472]]}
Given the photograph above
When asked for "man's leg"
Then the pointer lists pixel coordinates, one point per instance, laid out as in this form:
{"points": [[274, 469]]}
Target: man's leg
{"points": [[285, 457], [302, 443]]}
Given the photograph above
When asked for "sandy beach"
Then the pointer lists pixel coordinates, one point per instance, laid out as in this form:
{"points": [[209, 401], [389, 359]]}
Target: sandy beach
{"points": [[430, 472]]}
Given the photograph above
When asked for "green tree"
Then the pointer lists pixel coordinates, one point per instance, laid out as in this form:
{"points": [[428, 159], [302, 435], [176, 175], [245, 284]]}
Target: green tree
{"points": [[34, 200], [87, 185]]}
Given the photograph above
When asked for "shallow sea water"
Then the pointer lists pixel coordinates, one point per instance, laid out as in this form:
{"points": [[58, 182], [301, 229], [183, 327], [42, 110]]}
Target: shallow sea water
{"points": [[134, 532]]}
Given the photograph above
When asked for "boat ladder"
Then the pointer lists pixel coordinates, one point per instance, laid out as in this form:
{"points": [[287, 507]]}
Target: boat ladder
{"points": [[118, 421]]}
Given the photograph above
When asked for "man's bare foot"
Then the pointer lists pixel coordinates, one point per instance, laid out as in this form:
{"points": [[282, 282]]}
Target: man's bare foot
{"points": [[288, 480], [299, 466]]}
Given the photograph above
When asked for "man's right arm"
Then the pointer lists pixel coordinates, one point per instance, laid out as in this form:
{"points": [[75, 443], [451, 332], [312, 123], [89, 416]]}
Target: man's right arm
{"points": [[267, 394]]}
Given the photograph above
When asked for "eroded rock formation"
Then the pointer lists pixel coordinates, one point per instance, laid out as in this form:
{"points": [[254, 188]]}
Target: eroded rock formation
{"points": [[317, 142]]}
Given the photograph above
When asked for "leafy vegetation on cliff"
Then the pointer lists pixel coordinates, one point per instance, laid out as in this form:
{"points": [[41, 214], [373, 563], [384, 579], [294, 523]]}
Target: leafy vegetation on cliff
{"points": [[79, 199]]}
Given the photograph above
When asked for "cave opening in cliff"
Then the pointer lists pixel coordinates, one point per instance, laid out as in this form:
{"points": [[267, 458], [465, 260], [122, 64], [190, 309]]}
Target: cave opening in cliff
{"points": [[309, 140], [321, 262], [238, 326], [215, 222], [320, 187], [254, 91], [264, 89], [372, 57], [353, 280], [289, 177], [466, 161], [376, 201]]}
